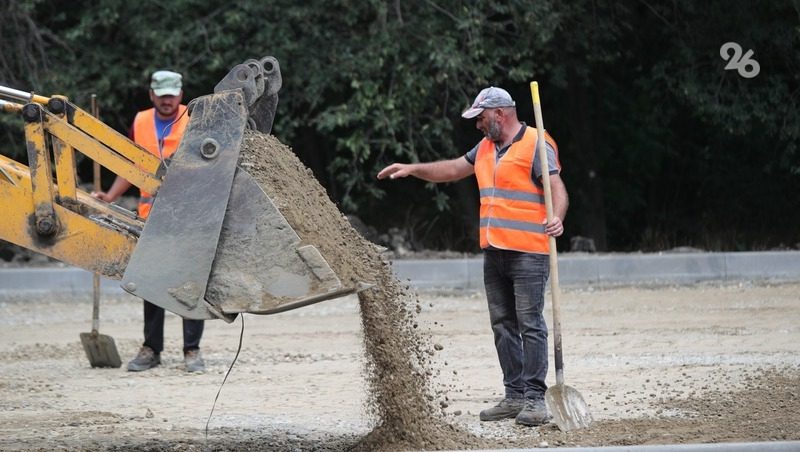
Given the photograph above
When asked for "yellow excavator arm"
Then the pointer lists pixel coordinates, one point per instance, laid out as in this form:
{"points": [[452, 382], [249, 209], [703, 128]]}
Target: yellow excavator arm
{"points": [[197, 254], [54, 217]]}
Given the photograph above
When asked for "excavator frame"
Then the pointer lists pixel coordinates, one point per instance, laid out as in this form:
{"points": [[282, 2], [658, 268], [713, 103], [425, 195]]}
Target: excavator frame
{"points": [[52, 218], [206, 204]]}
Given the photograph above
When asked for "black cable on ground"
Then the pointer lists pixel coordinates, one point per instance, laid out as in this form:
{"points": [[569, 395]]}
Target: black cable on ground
{"points": [[239, 349]]}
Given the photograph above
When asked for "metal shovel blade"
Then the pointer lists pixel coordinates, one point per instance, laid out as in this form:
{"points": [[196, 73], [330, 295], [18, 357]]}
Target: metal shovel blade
{"points": [[100, 350], [567, 407]]}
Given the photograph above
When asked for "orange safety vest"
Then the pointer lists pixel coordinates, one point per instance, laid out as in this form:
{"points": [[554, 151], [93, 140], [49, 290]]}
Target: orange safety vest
{"points": [[512, 205], [144, 134]]}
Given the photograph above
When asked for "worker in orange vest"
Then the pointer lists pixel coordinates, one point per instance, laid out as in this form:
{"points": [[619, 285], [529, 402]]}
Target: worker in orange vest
{"points": [[514, 237], [159, 130]]}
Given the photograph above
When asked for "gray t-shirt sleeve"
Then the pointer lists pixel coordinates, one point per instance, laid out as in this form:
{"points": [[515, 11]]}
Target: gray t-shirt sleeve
{"points": [[551, 163], [470, 156]]}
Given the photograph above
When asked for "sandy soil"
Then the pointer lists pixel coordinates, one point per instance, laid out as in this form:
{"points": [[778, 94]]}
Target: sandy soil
{"points": [[709, 363]]}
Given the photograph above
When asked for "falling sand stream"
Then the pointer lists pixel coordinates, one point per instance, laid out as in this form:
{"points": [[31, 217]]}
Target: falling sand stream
{"points": [[398, 371]]}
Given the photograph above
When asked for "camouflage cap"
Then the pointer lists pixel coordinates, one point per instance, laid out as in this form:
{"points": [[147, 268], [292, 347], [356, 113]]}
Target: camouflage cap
{"points": [[166, 83]]}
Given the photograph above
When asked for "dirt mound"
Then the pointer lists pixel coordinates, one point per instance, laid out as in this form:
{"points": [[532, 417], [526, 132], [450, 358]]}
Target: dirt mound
{"points": [[763, 409], [398, 355]]}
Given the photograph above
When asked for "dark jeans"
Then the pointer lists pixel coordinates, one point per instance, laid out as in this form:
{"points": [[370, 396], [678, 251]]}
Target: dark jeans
{"points": [[154, 329], [515, 284]]}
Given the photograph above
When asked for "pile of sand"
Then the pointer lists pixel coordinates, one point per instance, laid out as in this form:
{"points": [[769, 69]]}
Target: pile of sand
{"points": [[398, 372]]}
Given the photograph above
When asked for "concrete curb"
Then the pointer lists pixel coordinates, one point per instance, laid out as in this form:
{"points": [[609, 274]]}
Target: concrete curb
{"points": [[467, 274], [618, 269]]}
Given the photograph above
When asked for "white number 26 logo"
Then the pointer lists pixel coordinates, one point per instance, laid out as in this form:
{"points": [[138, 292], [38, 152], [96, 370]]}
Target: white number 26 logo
{"points": [[747, 67]]}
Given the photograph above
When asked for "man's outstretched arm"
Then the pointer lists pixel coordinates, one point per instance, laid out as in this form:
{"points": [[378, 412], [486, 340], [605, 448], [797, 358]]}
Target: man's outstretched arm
{"points": [[439, 171]]}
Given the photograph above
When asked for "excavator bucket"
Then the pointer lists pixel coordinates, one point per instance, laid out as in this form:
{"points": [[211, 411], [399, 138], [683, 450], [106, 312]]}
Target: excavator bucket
{"points": [[214, 244], [260, 266]]}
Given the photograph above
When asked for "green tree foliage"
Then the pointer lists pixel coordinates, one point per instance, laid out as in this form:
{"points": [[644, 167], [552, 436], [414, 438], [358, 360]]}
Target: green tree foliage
{"points": [[661, 146]]}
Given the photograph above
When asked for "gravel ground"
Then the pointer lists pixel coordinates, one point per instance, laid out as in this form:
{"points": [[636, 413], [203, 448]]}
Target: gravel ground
{"points": [[661, 365]]}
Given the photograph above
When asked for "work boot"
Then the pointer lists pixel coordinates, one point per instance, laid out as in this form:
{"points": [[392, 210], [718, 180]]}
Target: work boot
{"points": [[194, 361], [507, 408], [145, 359], [534, 413]]}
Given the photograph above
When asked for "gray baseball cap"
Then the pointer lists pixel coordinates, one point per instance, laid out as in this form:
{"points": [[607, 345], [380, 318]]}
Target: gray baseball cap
{"points": [[166, 83], [491, 97]]}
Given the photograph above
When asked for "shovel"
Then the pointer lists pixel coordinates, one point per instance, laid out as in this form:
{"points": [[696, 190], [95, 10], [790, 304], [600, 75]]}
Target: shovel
{"points": [[564, 402], [100, 348]]}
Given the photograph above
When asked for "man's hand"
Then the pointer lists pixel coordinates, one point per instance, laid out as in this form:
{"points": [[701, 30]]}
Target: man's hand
{"points": [[118, 188], [554, 228], [395, 170], [101, 195], [560, 204]]}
